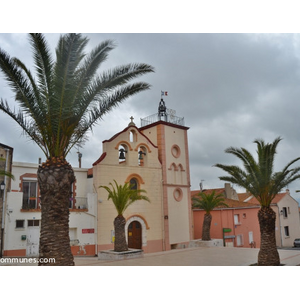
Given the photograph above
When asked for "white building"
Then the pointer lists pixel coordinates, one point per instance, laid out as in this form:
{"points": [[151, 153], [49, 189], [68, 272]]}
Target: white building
{"points": [[23, 214]]}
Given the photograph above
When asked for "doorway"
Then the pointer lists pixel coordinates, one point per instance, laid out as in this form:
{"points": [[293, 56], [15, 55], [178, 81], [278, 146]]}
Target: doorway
{"points": [[135, 235], [33, 237]]}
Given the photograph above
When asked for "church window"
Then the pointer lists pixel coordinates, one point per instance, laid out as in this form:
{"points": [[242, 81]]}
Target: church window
{"points": [[132, 136], [133, 183], [178, 194], [175, 151]]}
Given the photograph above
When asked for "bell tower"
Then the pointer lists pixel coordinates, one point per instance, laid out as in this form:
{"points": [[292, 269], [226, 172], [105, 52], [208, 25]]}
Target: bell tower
{"points": [[169, 133]]}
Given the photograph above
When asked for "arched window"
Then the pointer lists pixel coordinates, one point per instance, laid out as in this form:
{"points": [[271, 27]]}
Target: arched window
{"points": [[132, 136], [134, 183]]}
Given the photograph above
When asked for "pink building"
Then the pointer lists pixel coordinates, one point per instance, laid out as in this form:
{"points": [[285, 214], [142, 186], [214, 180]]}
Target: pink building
{"points": [[238, 223]]}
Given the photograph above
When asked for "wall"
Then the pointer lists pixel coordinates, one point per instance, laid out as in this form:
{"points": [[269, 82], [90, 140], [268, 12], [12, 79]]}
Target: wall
{"points": [[175, 158], [224, 218], [291, 220]]}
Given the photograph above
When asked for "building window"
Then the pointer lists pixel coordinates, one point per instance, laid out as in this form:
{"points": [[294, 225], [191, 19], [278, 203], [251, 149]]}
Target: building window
{"points": [[239, 240], [133, 183], [284, 212], [31, 223], [251, 237], [20, 223], [29, 189], [236, 219], [286, 231]]}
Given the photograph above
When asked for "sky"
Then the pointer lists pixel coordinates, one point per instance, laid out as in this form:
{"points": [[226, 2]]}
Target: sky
{"points": [[230, 88]]}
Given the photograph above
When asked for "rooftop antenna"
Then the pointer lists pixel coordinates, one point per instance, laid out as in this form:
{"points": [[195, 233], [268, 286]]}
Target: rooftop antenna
{"points": [[201, 185], [79, 157]]}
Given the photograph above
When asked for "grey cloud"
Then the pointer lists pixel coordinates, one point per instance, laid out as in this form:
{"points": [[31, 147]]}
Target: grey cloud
{"points": [[230, 88]]}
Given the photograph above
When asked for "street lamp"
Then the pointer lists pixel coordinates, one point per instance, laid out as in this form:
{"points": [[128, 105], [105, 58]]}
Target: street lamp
{"points": [[2, 186]]}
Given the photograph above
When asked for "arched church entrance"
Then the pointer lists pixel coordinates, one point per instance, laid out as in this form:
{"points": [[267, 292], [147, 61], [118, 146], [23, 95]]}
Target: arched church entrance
{"points": [[135, 235]]}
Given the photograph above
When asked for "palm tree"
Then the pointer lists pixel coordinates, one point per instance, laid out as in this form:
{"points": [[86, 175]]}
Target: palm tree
{"points": [[208, 202], [122, 196], [259, 178], [57, 109]]}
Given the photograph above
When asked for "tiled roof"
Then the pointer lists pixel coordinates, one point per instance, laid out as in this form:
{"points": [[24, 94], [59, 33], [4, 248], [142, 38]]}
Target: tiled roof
{"points": [[251, 201], [218, 191], [277, 198], [230, 202], [244, 196]]}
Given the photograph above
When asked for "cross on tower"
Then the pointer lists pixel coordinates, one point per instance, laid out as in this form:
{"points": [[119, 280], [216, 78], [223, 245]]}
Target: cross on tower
{"points": [[131, 123]]}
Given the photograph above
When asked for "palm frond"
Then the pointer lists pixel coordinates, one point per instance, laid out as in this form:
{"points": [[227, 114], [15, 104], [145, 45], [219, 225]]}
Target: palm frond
{"points": [[123, 196], [68, 97], [208, 202], [28, 127], [258, 177]]}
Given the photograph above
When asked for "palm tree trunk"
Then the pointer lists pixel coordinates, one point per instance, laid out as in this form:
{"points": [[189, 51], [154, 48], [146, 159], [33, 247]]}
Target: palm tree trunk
{"points": [[120, 239], [268, 254], [206, 227], [55, 182]]}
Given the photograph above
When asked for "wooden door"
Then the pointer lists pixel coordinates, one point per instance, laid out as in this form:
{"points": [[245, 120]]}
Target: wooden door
{"points": [[135, 235]]}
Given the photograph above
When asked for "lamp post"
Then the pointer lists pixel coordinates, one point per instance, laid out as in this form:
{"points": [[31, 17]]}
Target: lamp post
{"points": [[2, 187]]}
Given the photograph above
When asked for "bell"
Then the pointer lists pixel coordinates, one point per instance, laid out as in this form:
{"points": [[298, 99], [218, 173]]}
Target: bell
{"points": [[122, 155], [141, 155]]}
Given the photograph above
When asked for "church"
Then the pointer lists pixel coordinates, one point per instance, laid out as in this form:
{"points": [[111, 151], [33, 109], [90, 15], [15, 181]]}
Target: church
{"points": [[155, 158]]}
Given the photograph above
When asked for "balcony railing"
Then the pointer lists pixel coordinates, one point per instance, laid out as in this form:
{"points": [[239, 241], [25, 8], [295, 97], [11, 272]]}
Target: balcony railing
{"points": [[78, 203], [170, 118]]}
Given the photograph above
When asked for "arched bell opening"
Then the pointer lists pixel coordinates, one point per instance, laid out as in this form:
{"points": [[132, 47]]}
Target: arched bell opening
{"points": [[142, 156], [122, 153]]}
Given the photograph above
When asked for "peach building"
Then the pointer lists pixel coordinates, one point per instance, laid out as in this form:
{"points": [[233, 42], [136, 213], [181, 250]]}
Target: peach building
{"points": [[240, 222]]}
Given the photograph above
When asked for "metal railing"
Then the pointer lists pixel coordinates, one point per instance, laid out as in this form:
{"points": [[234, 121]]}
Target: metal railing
{"points": [[81, 202], [167, 118]]}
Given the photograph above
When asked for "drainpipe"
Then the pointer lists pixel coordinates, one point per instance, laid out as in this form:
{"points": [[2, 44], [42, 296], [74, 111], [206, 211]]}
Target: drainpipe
{"points": [[3, 206], [96, 219], [163, 220], [280, 230]]}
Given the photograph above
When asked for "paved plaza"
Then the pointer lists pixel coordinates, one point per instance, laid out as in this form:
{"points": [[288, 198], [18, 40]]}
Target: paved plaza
{"points": [[200, 256]]}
